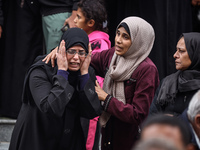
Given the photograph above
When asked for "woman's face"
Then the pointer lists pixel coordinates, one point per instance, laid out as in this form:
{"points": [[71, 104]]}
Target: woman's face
{"points": [[76, 60], [182, 59], [80, 21], [122, 41]]}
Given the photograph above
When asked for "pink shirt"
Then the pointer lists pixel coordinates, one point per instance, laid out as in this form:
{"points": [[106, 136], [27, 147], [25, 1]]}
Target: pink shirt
{"points": [[99, 41]]}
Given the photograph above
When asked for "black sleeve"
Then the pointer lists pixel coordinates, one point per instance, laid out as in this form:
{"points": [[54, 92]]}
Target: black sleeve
{"points": [[50, 98], [89, 102]]}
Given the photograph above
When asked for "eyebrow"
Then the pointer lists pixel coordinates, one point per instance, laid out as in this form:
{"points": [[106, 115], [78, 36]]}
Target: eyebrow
{"points": [[124, 33], [76, 49], [181, 48]]}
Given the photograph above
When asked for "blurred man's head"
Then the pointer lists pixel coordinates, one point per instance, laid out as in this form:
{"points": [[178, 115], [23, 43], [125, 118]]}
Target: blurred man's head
{"points": [[155, 144], [167, 127], [194, 113]]}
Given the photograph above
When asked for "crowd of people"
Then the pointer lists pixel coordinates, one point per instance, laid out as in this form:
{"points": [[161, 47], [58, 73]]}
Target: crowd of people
{"points": [[85, 94]]}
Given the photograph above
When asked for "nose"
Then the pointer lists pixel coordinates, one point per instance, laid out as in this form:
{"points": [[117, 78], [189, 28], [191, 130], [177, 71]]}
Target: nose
{"points": [[176, 54], [76, 56], [118, 39], [75, 20]]}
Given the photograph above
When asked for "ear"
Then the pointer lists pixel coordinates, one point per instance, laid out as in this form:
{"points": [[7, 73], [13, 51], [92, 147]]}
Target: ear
{"points": [[197, 121], [91, 23]]}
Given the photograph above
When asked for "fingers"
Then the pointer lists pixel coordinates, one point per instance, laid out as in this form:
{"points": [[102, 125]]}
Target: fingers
{"points": [[89, 53], [97, 83], [89, 49], [53, 60], [62, 50], [51, 56], [46, 58], [60, 46], [97, 87], [54, 56]]}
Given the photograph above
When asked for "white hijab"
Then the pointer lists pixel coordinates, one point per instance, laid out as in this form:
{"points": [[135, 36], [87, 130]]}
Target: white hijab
{"points": [[122, 67]]}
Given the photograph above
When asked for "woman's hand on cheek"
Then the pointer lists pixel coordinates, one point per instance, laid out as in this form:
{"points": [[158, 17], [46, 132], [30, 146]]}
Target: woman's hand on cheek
{"points": [[86, 62], [61, 57]]}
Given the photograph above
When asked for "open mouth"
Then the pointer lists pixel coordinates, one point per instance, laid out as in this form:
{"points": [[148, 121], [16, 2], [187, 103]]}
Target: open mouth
{"points": [[74, 64], [118, 48]]}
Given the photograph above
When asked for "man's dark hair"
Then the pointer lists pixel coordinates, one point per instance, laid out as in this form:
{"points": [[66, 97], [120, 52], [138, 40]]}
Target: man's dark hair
{"points": [[171, 121]]}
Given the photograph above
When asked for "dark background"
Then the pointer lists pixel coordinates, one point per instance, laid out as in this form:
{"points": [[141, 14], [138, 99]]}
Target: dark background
{"points": [[22, 39]]}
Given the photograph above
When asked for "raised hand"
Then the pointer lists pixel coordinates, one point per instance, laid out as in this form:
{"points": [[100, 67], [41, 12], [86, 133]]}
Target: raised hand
{"points": [[61, 57], [51, 56], [100, 92], [86, 63]]}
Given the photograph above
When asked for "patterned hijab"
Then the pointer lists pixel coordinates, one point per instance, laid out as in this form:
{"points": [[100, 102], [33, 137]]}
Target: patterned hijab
{"points": [[122, 67]]}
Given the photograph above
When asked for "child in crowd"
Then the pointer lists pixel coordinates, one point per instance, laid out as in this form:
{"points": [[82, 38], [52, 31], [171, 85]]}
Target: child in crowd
{"points": [[92, 18]]}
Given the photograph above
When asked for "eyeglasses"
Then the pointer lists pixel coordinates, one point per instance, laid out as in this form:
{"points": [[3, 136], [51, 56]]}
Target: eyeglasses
{"points": [[81, 53]]}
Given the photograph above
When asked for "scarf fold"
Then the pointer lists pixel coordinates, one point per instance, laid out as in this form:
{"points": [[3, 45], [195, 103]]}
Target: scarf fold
{"points": [[181, 81], [122, 67], [168, 89]]}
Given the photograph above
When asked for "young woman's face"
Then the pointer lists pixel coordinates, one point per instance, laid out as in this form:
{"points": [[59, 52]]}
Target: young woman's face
{"points": [[76, 60], [122, 41], [80, 21], [182, 59]]}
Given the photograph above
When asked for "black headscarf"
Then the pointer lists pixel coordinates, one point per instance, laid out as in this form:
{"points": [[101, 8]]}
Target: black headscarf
{"points": [[72, 37], [75, 36], [192, 42], [123, 24], [186, 80]]}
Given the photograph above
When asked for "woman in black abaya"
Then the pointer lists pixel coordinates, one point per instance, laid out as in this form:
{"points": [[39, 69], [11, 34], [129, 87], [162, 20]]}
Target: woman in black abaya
{"points": [[176, 90]]}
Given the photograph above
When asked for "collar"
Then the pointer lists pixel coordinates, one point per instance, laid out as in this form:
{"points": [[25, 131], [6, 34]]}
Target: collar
{"points": [[195, 136]]}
